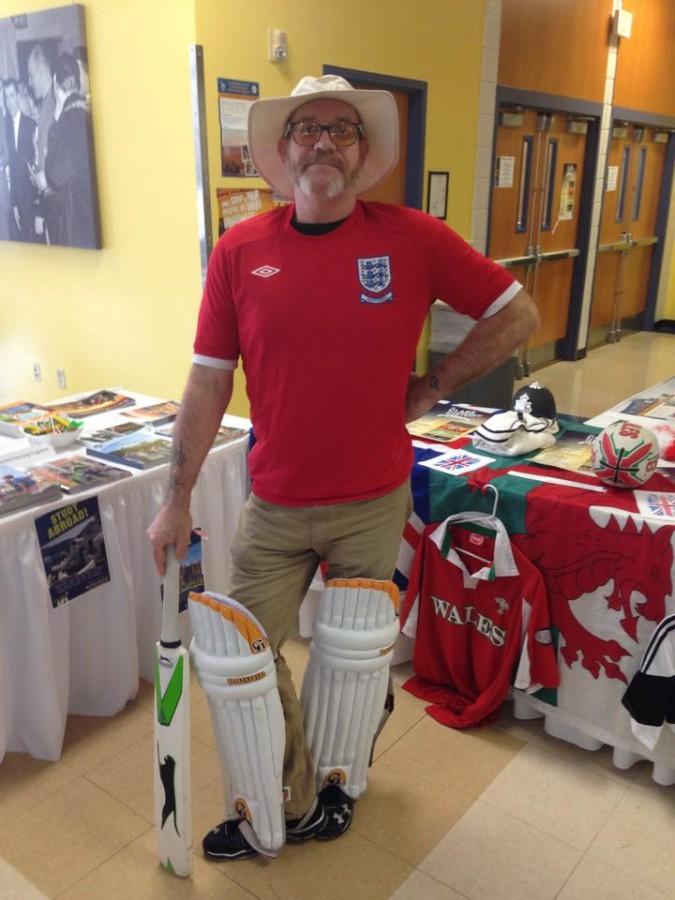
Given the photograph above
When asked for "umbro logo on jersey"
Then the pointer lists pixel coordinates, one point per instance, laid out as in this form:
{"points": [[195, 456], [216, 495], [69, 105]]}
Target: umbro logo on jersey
{"points": [[265, 271]]}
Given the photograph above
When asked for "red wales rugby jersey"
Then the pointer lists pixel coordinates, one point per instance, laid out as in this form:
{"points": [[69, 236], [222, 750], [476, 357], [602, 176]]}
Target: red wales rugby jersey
{"points": [[327, 328], [479, 625]]}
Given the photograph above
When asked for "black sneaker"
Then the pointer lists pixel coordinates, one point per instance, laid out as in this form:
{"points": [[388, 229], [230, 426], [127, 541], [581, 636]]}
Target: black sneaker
{"points": [[307, 827], [339, 808], [227, 842]]}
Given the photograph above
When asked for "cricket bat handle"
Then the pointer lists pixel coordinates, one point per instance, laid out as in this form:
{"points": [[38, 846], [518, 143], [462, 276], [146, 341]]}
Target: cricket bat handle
{"points": [[169, 632]]}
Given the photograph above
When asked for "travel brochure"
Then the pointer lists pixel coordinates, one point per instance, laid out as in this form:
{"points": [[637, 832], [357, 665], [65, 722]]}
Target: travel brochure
{"points": [[447, 421], [97, 438], [22, 412], [156, 414], [224, 435], [142, 449], [74, 474], [20, 488], [93, 404], [148, 446], [656, 402], [15, 416], [571, 451]]}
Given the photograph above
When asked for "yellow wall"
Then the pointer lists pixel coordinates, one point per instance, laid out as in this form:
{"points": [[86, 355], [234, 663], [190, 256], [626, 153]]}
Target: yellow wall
{"points": [[439, 43], [123, 315]]}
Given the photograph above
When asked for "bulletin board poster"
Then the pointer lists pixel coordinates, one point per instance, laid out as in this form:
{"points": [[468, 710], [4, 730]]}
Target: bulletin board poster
{"points": [[235, 205], [234, 102], [568, 190]]}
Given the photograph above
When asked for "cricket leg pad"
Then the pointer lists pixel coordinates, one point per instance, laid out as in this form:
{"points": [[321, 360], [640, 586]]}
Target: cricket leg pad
{"points": [[234, 663], [346, 683]]}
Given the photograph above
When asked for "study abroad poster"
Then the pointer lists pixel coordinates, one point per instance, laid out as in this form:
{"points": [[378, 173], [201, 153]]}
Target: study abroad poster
{"points": [[73, 550]]}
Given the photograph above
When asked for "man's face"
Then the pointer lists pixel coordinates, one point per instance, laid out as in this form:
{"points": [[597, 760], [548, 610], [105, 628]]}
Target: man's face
{"points": [[39, 78], [10, 99], [323, 168]]}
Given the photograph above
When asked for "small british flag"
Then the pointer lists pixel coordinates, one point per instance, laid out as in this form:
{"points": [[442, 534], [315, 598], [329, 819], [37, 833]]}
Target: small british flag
{"points": [[658, 504]]}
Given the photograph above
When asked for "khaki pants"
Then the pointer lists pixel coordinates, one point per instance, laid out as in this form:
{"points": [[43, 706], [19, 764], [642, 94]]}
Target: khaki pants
{"points": [[274, 556]]}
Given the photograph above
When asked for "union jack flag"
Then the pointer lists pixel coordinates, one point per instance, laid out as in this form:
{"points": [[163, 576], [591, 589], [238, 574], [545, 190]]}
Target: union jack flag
{"points": [[457, 463], [660, 505]]}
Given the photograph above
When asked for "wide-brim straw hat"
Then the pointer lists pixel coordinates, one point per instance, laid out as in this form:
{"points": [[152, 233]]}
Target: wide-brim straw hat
{"points": [[376, 109]]}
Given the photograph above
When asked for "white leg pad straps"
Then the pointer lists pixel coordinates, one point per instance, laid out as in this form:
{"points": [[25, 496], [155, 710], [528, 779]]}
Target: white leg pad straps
{"points": [[345, 685], [235, 666]]}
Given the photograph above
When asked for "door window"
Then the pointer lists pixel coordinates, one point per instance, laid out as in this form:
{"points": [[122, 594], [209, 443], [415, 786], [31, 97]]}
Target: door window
{"points": [[524, 186]]}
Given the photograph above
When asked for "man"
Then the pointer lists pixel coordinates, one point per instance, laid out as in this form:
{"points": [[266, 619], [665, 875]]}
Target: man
{"points": [[4, 161], [325, 301], [40, 79], [69, 170], [20, 132]]}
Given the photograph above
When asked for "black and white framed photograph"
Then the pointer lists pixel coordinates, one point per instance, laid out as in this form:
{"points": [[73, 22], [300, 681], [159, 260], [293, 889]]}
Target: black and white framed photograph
{"points": [[48, 192], [437, 194]]}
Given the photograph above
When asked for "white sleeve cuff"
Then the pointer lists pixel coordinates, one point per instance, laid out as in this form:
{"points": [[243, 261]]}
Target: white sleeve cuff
{"points": [[213, 362], [502, 300]]}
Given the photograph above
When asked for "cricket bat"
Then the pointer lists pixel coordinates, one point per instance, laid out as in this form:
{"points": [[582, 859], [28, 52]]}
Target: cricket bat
{"points": [[173, 817]]}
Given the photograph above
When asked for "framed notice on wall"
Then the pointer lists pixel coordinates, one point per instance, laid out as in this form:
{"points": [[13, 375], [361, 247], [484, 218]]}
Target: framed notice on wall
{"points": [[437, 194], [568, 190], [234, 101]]}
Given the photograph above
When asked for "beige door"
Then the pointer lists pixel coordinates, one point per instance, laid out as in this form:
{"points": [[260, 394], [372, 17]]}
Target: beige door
{"points": [[635, 162], [535, 214], [392, 188]]}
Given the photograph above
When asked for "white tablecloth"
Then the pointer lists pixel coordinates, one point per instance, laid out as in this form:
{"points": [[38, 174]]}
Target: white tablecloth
{"points": [[86, 656]]}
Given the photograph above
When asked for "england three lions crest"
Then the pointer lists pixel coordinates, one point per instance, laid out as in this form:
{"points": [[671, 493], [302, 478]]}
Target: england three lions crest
{"points": [[375, 277]]}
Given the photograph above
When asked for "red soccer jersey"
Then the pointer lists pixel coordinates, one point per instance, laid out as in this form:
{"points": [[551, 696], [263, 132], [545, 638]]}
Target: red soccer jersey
{"points": [[327, 327], [479, 626]]}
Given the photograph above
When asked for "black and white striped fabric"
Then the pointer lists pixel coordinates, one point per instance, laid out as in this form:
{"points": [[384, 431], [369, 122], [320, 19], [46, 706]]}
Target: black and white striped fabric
{"points": [[650, 696], [514, 433]]}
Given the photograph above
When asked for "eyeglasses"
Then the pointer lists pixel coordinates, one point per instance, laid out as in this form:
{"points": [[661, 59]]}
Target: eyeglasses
{"points": [[342, 133]]}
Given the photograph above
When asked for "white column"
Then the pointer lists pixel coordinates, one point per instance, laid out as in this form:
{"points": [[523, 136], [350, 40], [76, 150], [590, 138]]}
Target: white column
{"points": [[598, 184], [668, 261], [486, 123]]}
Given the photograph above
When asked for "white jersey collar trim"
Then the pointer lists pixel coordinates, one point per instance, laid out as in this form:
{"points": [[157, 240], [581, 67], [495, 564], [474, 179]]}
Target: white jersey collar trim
{"points": [[503, 563]]}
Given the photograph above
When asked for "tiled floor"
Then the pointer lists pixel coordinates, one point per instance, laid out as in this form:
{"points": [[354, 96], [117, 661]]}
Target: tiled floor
{"points": [[499, 813]]}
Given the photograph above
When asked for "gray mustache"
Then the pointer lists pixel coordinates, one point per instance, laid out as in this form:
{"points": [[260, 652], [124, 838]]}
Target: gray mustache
{"points": [[327, 158]]}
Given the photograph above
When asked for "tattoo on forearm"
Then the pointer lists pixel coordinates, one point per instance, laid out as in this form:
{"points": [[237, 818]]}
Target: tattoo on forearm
{"points": [[434, 382], [178, 459], [178, 455]]}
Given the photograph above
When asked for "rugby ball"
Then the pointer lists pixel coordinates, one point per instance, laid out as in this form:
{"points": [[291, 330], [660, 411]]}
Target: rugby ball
{"points": [[625, 455]]}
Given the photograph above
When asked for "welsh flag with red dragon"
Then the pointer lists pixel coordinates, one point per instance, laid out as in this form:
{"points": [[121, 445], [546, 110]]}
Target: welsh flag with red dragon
{"points": [[608, 572]]}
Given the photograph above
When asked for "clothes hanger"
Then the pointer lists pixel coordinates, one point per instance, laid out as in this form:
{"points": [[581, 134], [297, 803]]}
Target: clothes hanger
{"points": [[471, 520]]}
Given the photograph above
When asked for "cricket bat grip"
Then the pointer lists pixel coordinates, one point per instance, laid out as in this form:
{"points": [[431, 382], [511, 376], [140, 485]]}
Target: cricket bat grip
{"points": [[169, 634]]}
